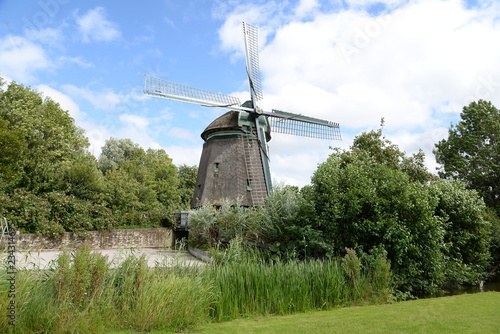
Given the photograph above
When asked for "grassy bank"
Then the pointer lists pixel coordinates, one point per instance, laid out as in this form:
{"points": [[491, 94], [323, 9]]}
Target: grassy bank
{"points": [[475, 313], [83, 294]]}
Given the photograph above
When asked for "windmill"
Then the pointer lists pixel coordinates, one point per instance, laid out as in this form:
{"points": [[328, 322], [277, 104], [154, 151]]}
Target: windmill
{"points": [[234, 163]]}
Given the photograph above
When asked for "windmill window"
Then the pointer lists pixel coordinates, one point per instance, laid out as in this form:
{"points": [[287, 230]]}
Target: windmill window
{"points": [[216, 167], [249, 184]]}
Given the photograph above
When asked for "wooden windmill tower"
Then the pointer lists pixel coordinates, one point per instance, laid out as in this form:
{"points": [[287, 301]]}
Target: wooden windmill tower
{"points": [[234, 162]]}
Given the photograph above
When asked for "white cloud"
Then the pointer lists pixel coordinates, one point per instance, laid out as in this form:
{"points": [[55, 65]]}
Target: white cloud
{"points": [[136, 121], [180, 133], [20, 58], [49, 36], [97, 136], [306, 7], [414, 64], [105, 100], [80, 61], [65, 102], [189, 155], [94, 26]]}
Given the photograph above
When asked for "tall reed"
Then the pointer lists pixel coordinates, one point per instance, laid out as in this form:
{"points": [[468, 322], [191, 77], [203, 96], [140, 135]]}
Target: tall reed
{"points": [[83, 294], [252, 286]]}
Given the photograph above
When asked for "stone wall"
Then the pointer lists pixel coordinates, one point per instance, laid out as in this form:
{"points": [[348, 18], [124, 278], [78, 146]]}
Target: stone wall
{"points": [[127, 238]]}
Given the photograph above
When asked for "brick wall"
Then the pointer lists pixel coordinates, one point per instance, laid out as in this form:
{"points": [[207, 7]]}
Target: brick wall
{"points": [[127, 238]]}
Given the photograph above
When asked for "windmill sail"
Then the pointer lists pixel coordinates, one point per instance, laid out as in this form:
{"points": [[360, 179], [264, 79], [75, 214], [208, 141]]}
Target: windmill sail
{"points": [[252, 58], [169, 90], [300, 125]]}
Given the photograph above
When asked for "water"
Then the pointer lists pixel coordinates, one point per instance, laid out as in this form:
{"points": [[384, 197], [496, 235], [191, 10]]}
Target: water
{"points": [[491, 285]]}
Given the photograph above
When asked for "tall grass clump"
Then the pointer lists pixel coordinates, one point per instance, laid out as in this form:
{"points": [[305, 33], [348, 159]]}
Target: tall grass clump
{"points": [[159, 298], [83, 293], [253, 286], [368, 279]]}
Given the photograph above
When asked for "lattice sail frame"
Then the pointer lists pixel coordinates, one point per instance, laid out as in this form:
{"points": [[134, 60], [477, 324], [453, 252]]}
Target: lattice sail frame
{"points": [[162, 88], [253, 71], [305, 126]]}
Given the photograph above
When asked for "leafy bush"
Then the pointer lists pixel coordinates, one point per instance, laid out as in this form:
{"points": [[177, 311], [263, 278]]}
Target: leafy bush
{"points": [[210, 226], [53, 213], [365, 205], [288, 225], [202, 230], [467, 233]]}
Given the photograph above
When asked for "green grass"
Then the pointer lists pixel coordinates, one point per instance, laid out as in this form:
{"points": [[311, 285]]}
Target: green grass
{"points": [[475, 313]]}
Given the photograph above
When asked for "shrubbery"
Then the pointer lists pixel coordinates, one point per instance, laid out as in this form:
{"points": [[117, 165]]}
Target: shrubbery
{"points": [[376, 201]]}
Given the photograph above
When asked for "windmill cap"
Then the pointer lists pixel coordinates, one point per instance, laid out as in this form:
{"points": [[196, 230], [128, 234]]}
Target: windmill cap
{"points": [[228, 121], [232, 121]]}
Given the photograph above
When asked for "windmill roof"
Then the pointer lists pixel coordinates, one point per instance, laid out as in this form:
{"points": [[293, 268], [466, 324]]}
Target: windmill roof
{"points": [[228, 120], [232, 120]]}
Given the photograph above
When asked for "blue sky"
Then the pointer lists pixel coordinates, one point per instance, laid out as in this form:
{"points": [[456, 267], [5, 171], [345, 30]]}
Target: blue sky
{"points": [[414, 63]]}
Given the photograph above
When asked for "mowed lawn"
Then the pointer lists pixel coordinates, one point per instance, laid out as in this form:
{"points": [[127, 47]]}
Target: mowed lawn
{"points": [[473, 313]]}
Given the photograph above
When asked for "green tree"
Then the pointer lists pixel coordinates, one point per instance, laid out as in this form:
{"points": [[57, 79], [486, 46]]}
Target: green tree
{"points": [[162, 177], [471, 152], [117, 152], [81, 178], [49, 133], [152, 169], [467, 233], [124, 194], [384, 151], [13, 147], [187, 181], [139, 183], [365, 205]]}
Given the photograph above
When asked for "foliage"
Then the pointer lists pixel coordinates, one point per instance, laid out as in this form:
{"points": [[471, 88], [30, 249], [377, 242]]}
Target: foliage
{"points": [[365, 205], [137, 182], [376, 200], [383, 151], [124, 194], [117, 152], [288, 225], [45, 164], [467, 234], [202, 230], [491, 216], [372, 200], [13, 147], [53, 213], [187, 182], [210, 226], [470, 153], [81, 178], [49, 133], [163, 178]]}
